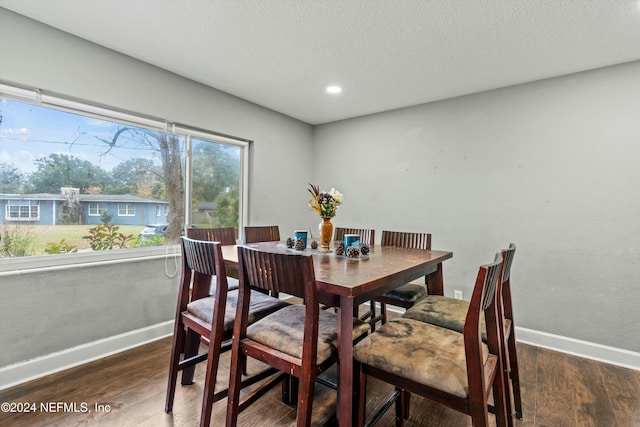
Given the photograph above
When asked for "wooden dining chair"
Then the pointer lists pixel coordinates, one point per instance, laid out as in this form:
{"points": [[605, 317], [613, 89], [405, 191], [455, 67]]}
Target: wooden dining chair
{"points": [[300, 340], [267, 233], [225, 235], [367, 236], [450, 313], [200, 316], [454, 369], [406, 295]]}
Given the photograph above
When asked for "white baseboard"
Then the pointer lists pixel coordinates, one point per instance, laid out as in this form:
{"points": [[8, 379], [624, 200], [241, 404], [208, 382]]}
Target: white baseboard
{"points": [[586, 349], [38, 367]]}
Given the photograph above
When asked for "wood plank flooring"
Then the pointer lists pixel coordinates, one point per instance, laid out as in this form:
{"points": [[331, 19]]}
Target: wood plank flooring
{"points": [[559, 390]]}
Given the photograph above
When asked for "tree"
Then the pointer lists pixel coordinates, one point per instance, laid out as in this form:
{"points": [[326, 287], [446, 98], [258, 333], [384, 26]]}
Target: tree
{"points": [[215, 170], [10, 178], [168, 149], [137, 176], [63, 170]]}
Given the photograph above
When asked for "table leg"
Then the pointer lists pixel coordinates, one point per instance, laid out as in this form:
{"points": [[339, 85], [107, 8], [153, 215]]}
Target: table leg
{"points": [[435, 282], [345, 361]]}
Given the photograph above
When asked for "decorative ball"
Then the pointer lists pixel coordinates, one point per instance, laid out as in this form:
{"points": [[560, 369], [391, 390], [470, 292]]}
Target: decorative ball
{"points": [[353, 252], [314, 245], [289, 242], [300, 244], [339, 250], [365, 249]]}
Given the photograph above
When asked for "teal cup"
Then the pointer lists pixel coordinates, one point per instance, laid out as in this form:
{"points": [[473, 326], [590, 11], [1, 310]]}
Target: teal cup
{"points": [[351, 240], [301, 234]]}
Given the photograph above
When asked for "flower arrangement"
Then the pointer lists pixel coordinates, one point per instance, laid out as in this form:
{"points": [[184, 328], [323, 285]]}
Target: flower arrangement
{"points": [[324, 203]]}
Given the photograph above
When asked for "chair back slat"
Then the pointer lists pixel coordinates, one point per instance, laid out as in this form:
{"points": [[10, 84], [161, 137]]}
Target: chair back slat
{"points": [[507, 255], [199, 255], [406, 240], [367, 235], [201, 260], [290, 273], [255, 234], [225, 235]]}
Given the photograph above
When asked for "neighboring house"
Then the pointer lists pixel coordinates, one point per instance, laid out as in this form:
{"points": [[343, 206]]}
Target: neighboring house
{"points": [[46, 208]]}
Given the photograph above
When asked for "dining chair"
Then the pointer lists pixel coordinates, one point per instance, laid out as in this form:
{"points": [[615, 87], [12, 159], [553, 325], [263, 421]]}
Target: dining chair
{"points": [[454, 369], [300, 340], [200, 316], [449, 313], [267, 233], [225, 235], [367, 236], [406, 295]]}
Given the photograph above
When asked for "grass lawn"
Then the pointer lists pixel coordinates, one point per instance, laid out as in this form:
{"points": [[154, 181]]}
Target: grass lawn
{"points": [[72, 234]]}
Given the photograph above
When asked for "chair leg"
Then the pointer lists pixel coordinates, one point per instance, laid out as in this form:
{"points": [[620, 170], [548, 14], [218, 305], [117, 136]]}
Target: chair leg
{"points": [[499, 401], [401, 408], [372, 319], [514, 373], [362, 392], [235, 379], [305, 401], [192, 342], [176, 349], [383, 313], [210, 383]]}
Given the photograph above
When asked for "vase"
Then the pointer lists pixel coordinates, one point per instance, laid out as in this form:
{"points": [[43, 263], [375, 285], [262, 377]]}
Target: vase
{"points": [[326, 233]]}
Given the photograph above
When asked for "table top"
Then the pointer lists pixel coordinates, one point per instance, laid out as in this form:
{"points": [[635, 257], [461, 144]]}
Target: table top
{"points": [[383, 269]]}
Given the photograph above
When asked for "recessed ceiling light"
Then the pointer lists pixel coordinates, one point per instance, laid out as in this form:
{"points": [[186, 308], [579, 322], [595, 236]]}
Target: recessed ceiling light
{"points": [[334, 89]]}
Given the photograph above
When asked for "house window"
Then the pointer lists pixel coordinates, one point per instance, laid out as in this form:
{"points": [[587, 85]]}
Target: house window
{"points": [[97, 209], [117, 163], [126, 209], [22, 211]]}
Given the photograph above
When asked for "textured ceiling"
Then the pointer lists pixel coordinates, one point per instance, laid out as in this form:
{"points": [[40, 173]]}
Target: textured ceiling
{"points": [[386, 54]]}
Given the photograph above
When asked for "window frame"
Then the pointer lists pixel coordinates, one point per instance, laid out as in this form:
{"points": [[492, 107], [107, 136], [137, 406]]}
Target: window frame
{"points": [[96, 208], [87, 108]]}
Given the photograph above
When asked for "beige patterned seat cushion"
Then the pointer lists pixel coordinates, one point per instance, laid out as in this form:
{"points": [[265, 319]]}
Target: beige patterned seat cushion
{"points": [[261, 305], [424, 353], [443, 311], [411, 292], [284, 330]]}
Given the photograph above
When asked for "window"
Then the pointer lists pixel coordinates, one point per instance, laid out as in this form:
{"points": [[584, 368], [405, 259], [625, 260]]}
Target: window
{"points": [[126, 210], [97, 209], [84, 166], [22, 211]]}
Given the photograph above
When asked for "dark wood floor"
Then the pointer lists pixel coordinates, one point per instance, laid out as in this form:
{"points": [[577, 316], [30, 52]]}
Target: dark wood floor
{"points": [[559, 390]]}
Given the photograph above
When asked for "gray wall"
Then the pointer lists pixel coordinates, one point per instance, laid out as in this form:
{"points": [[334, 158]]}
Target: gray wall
{"points": [[48, 310], [78, 306], [552, 166]]}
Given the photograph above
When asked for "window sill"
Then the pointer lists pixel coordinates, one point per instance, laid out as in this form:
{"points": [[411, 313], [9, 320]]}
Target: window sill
{"points": [[18, 265]]}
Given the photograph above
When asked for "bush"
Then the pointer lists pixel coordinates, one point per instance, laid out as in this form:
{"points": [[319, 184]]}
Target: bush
{"points": [[60, 248], [106, 237], [17, 240]]}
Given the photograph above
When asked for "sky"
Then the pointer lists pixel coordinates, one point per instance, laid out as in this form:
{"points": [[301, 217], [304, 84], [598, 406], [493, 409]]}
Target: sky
{"points": [[28, 132]]}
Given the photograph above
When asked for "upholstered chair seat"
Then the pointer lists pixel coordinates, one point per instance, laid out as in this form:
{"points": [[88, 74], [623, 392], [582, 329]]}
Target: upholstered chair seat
{"points": [[409, 293], [261, 306], [429, 355], [284, 331]]}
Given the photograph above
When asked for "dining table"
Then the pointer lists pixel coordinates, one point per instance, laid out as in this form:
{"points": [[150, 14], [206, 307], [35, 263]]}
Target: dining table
{"points": [[346, 282]]}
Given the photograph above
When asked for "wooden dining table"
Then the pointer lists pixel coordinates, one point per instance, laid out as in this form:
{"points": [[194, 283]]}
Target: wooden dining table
{"points": [[345, 283]]}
